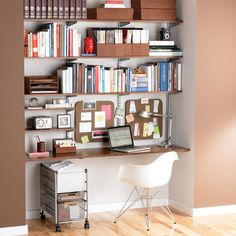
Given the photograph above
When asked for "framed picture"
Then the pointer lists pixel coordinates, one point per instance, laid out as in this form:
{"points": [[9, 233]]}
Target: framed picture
{"points": [[63, 121]]}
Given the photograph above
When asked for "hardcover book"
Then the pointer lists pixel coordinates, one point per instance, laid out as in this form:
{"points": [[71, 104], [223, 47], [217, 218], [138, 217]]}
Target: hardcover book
{"points": [[78, 9], [44, 9], [32, 9], [60, 9], [55, 9], [84, 9], [49, 9], [72, 9], [66, 9], [38, 9], [26, 9]]}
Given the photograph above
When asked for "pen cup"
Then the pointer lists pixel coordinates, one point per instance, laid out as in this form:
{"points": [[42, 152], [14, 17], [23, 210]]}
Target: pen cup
{"points": [[40, 146]]}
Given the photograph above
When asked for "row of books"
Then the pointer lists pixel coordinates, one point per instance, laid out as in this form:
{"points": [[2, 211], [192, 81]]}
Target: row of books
{"points": [[114, 35], [54, 40], [95, 79], [164, 48], [56, 9]]}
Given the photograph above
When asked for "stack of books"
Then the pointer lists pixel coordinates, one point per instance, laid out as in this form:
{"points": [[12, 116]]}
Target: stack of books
{"points": [[164, 48], [139, 83], [56, 9], [114, 4], [54, 40]]}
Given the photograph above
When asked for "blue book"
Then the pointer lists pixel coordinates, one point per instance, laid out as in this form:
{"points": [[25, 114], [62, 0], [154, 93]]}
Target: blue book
{"points": [[164, 76], [139, 89]]}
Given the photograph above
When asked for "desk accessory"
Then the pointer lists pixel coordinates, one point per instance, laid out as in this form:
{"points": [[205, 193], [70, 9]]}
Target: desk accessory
{"points": [[167, 143], [42, 122], [63, 146]]}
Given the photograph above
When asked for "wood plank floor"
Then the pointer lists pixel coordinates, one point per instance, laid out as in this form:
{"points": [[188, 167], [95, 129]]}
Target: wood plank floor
{"points": [[133, 224]]}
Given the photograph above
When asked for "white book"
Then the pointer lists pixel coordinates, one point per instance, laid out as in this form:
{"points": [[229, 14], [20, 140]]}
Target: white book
{"points": [[30, 45], [65, 41], [144, 36], [107, 81], [137, 36], [47, 44], [166, 54], [161, 43], [43, 44], [114, 6], [179, 76], [129, 36], [70, 80], [75, 43]]}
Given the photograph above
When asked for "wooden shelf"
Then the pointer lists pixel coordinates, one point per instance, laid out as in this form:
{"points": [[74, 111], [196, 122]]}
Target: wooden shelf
{"points": [[49, 130], [51, 109], [176, 22], [128, 93], [52, 94], [172, 58], [106, 152]]}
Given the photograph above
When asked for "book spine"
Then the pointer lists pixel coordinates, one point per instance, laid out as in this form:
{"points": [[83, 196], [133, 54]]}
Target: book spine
{"points": [[26, 9], [55, 9], [44, 9], [164, 76], [35, 45], [84, 9], [25, 43], [66, 9], [38, 9], [72, 9], [78, 9], [32, 9], [60, 9], [49, 9]]}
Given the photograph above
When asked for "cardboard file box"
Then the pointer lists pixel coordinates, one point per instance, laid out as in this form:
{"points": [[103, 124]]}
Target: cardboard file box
{"points": [[114, 50], [110, 13], [140, 49], [160, 4], [155, 14]]}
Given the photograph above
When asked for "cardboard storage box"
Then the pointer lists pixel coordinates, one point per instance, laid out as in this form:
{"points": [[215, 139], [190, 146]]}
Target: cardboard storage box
{"points": [[110, 13], [114, 50], [160, 4], [140, 49], [155, 14]]}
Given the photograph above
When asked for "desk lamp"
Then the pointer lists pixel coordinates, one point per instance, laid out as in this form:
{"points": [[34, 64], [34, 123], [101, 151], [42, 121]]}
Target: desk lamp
{"points": [[167, 142]]}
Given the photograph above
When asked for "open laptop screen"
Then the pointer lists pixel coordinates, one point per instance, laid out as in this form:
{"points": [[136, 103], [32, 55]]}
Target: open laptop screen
{"points": [[120, 136]]}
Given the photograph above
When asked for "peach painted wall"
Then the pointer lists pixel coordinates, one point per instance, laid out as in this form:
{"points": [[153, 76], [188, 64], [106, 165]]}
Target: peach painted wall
{"points": [[215, 149]]}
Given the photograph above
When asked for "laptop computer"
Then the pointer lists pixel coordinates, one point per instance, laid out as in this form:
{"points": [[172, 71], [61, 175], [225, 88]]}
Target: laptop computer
{"points": [[121, 140]]}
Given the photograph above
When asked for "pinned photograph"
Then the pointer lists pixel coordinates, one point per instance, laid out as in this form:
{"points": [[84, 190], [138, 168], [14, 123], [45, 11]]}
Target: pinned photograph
{"points": [[89, 105]]}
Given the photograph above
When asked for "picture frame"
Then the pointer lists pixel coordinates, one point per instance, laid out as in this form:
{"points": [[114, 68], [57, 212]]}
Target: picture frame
{"points": [[63, 121], [89, 105]]}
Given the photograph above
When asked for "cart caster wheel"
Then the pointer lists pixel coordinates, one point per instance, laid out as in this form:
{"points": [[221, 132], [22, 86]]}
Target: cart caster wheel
{"points": [[42, 216], [58, 228], [86, 224]]}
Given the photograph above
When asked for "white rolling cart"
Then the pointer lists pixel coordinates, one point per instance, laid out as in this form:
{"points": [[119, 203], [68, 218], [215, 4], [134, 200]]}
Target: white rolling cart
{"points": [[64, 192]]}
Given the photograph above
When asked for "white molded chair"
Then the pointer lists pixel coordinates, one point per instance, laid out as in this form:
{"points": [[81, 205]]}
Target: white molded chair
{"points": [[145, 178]]}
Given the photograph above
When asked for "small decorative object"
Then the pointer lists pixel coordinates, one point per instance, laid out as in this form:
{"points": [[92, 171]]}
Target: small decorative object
{"points": [[64, 121], [33, 102], [40, 145], [165, 34], [88, 45], [138, 71]]}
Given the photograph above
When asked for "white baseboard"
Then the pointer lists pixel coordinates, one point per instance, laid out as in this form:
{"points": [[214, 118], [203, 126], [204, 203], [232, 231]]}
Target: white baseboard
{"points": [[15, 230], [218, 210], [103, 207], [180, 207]]}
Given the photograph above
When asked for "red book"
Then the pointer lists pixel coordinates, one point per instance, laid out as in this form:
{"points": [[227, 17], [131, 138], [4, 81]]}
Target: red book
{"points": [[25, 43], [66, 9], [79, 79], [58, 40], [49, 9], [35, 45], [61, 9], [114, 2], [44, 9], [38, 9], [70, 42], [72, 9], [26, 9]]}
